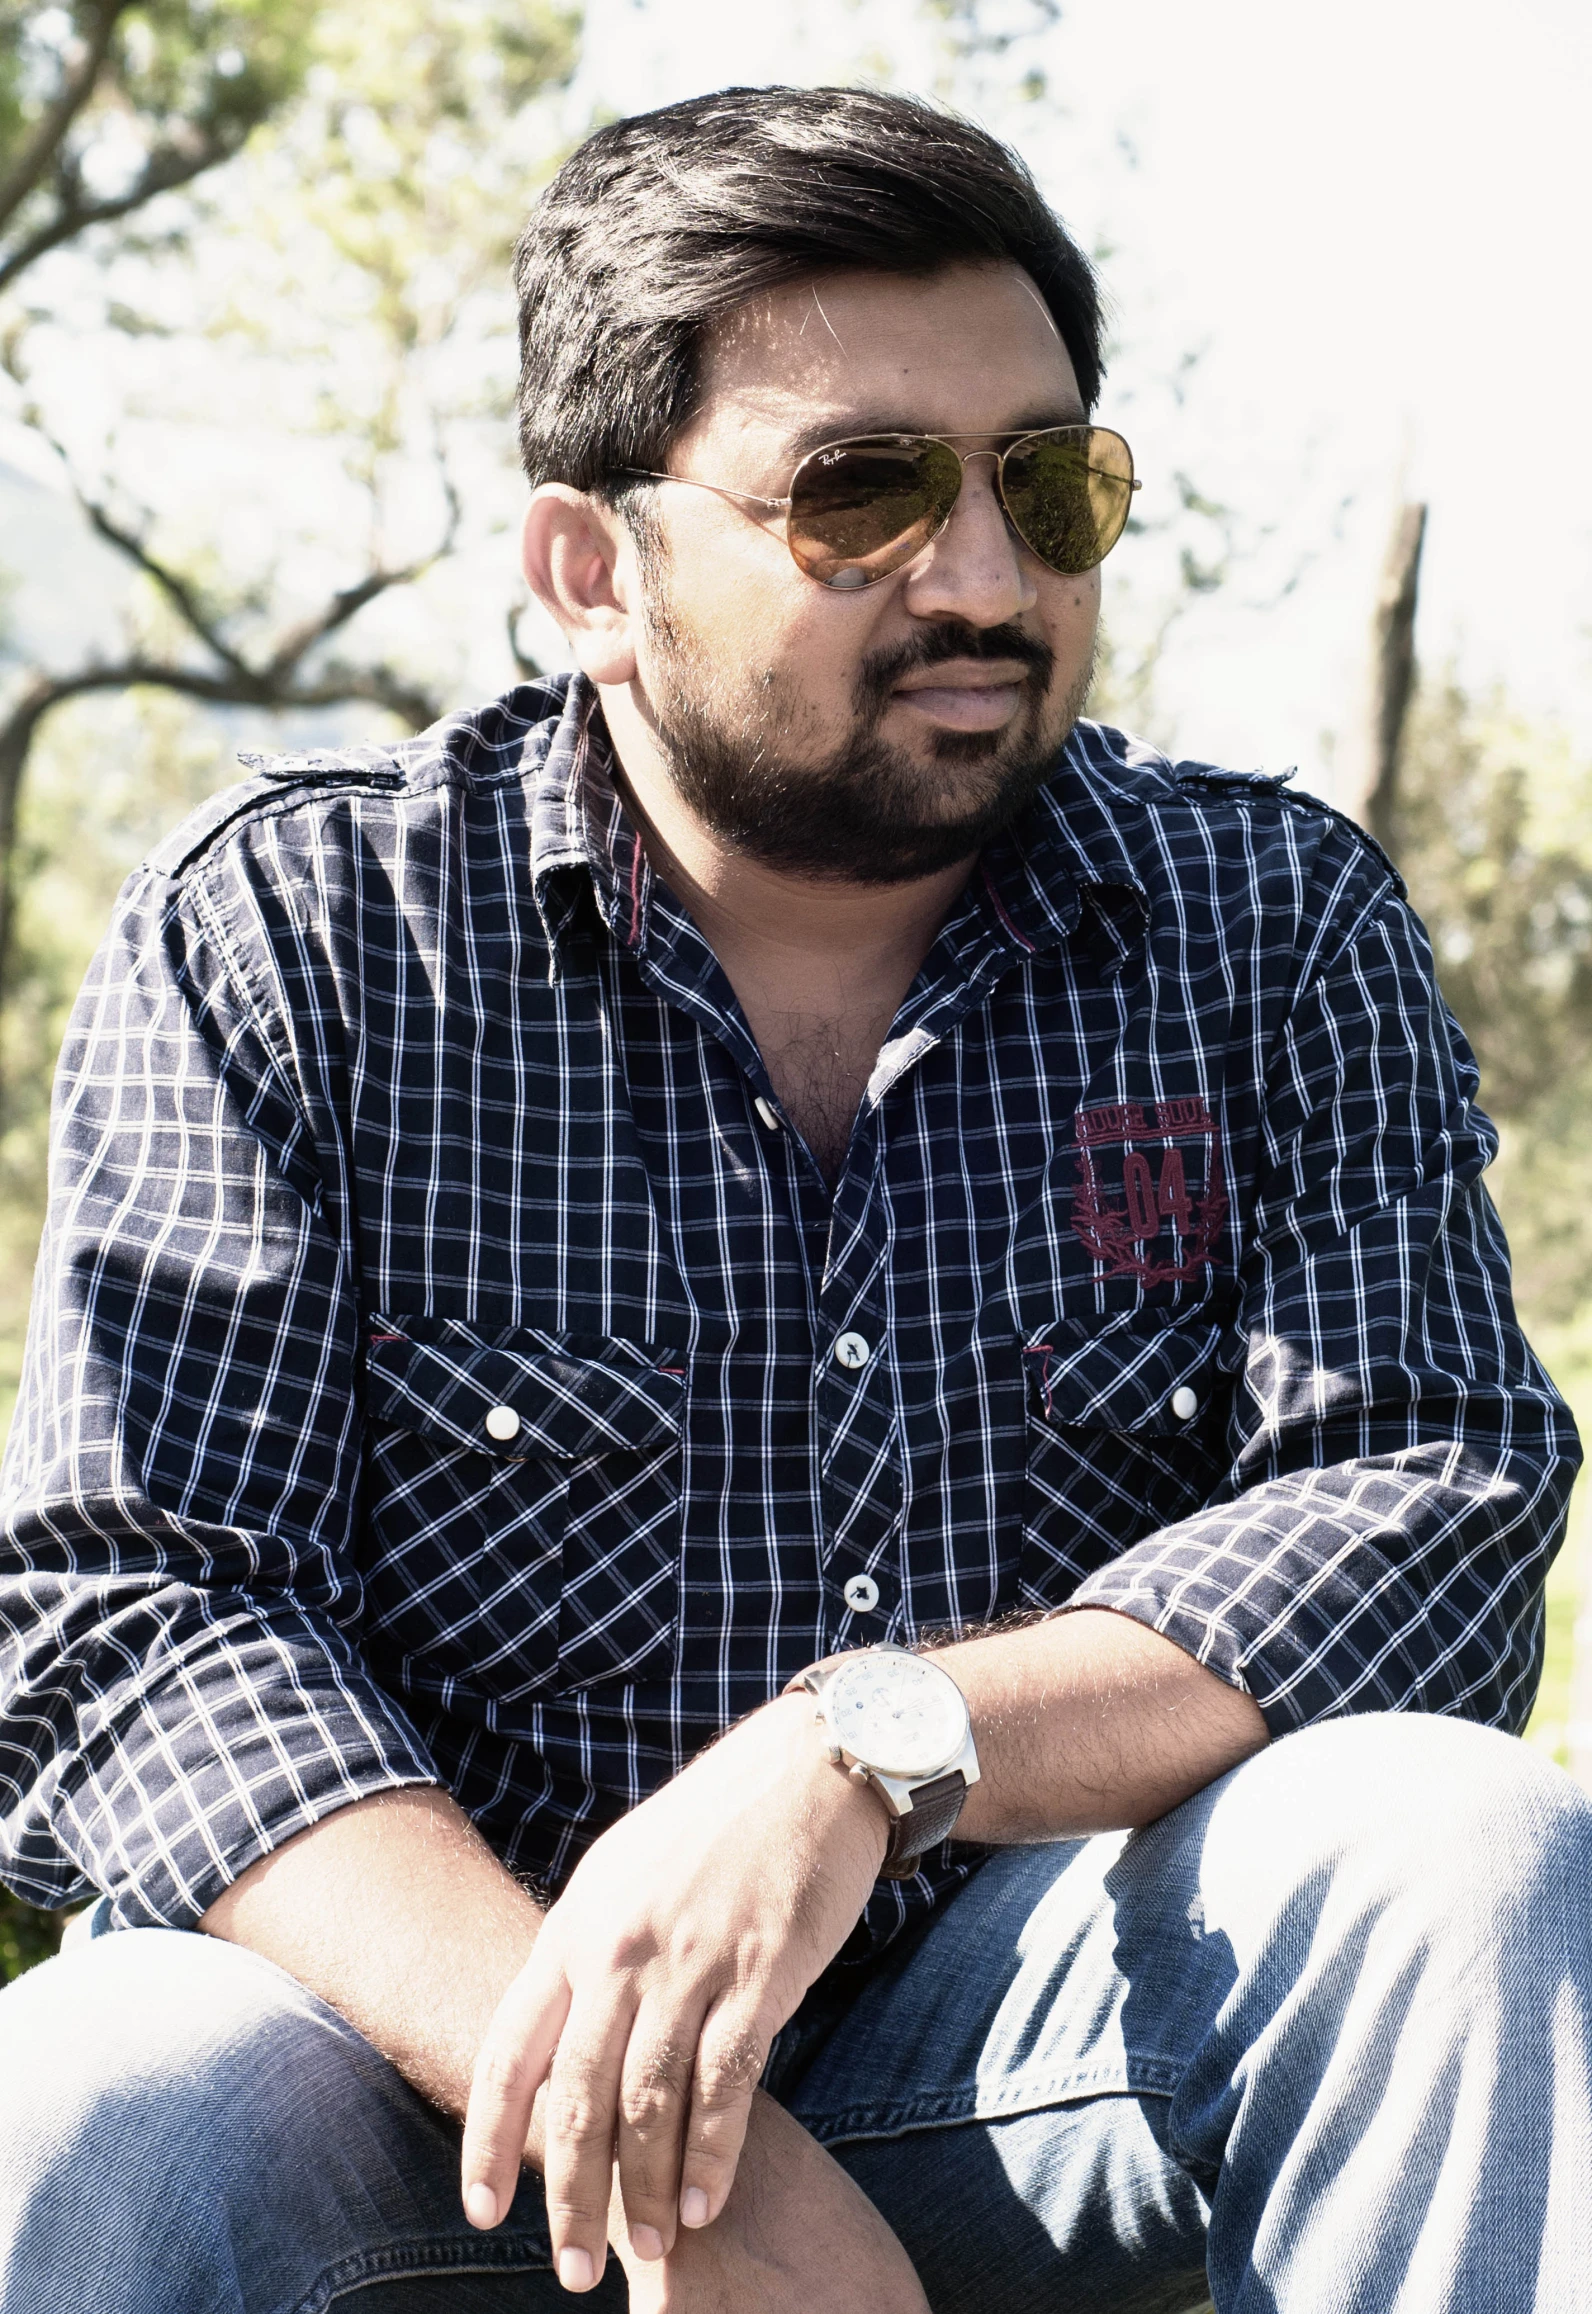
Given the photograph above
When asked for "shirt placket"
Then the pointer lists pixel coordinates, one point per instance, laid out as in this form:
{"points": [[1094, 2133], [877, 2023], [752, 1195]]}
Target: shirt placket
{"points": [[855, 1409]]}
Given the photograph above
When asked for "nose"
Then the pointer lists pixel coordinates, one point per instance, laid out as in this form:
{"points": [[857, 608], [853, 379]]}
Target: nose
{"points": [[975, 569]]}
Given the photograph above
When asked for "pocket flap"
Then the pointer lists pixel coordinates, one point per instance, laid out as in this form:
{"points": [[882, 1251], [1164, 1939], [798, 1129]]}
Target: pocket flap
{"points": [[1140, 1374], [571, 1394]]}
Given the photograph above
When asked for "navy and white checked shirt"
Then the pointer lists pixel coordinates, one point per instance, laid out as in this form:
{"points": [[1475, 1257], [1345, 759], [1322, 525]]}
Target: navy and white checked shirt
{"points": [[402, 1096]]}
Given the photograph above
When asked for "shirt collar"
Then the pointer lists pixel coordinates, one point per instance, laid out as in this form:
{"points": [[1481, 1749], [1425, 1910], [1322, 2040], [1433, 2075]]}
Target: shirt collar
{"points": [[1069, 855], [582, 838]]}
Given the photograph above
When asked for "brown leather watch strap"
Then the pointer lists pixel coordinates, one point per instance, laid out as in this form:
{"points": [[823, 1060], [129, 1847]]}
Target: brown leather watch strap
{"points": [[930, 1819]]}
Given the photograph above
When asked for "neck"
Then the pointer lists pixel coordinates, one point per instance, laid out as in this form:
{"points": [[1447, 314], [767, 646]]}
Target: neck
{"points": [[743, 905], [819, 966]]}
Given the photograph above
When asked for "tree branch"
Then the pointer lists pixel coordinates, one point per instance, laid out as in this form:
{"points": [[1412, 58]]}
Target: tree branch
{"points": [[40, 151], [166, 169], [527, 666], [182, 597], [303, 638]]}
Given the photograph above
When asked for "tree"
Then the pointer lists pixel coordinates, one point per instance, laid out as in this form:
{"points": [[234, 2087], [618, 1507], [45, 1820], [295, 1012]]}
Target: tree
{"points": [[347, 252], [1491, 825], [106, 104]]}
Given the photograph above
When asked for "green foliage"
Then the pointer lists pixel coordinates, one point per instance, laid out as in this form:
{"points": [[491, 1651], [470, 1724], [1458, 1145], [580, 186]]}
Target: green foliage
{"points": [[26, 1936], [106, 103], [1493, 832]]}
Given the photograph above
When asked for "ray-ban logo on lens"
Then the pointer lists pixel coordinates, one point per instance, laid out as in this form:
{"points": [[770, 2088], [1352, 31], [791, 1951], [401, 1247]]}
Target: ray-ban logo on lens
{"points": [[1150, 1197]]}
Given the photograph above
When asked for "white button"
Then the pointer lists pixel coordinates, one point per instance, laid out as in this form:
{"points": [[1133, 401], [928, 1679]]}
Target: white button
{"points": [[861, 1594], [852, 1350], [767, 1112], [1185, 1403], [503, 1423]]}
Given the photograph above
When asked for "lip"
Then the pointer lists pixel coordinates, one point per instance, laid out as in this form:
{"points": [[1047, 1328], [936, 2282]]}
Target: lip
{"points": [[965, 695]]}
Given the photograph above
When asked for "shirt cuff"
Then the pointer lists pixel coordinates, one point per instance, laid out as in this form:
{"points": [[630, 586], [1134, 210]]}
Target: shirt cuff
{"points": [[1288, 1595], [256, 1726]]}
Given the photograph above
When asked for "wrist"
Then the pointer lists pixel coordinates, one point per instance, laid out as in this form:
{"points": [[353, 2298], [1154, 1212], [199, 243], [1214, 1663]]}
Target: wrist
{"points": [[844, 1806]]}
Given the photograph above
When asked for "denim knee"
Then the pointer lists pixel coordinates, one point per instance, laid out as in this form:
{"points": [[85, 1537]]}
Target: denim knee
{"points": [[1455, 1823], [149, 2038], [183, 2125]]}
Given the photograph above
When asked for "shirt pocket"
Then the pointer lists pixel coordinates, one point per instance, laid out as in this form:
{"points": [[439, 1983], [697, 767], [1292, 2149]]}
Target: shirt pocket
{"points": [[1125, 1430], [523, 1526]]}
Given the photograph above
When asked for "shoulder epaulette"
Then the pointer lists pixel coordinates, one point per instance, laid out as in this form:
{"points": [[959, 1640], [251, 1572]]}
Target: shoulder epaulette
{"points": [[1210, 779], [277, 778]]}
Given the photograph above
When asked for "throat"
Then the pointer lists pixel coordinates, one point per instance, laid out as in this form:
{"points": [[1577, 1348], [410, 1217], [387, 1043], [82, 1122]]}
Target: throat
{"points": [[820, 1073]]}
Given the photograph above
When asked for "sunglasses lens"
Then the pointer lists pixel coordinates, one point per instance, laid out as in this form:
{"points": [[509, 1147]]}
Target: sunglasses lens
{"points": [[1068, 493], [859, 510]]}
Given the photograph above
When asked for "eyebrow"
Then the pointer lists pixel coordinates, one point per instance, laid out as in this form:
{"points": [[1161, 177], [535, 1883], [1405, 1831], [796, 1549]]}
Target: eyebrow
{"points": [[852, 427]]}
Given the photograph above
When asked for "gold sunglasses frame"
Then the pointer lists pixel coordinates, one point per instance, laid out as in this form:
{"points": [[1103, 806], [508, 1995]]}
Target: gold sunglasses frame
{"points": [[852, 581]]}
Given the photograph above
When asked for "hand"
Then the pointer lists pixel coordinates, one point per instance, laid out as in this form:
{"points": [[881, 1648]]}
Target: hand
{"points": [[685, 1938], [796, 2237]]}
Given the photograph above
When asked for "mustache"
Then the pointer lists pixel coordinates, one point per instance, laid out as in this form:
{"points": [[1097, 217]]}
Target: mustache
{"points": [[947, 639]]}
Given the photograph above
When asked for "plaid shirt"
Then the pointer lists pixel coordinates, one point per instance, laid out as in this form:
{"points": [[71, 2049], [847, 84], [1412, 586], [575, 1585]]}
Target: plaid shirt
{"points": [[433, 1369]]}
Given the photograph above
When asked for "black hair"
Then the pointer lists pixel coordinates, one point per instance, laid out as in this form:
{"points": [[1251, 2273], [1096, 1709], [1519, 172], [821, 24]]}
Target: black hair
{"points": [[659, 226]]}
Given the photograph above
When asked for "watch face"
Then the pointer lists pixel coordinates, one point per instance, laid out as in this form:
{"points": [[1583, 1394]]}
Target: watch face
{"points": [[901, 1715]]}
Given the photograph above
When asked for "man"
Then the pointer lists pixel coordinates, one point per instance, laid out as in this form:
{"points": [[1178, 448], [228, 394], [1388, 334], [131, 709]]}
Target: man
{"points": [[596, 1227]]}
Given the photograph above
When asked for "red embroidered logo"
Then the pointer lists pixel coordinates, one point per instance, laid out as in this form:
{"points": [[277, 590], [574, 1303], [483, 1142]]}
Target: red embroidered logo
{"points": [[1124, 1234]]}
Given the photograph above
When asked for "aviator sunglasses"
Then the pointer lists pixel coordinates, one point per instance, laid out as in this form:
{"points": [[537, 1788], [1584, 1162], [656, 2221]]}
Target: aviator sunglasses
{"points": [[858, 510]]}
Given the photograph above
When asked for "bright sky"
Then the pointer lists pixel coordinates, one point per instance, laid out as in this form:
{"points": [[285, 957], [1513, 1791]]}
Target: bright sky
{"points": [[1371, 222]]}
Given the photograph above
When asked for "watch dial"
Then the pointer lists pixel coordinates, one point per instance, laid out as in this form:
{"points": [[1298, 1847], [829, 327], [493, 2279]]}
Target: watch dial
{"points": [[899, 1714]]}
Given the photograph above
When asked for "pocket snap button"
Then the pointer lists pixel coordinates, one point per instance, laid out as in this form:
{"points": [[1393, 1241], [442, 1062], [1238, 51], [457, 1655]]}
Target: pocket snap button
{"points": [[861, 1594], [502, 1423], [852, 1351], [1185, 1403]]}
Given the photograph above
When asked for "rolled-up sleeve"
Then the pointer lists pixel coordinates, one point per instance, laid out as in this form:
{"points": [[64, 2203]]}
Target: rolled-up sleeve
{"points": [[1397, 1462], [178, 1689]]}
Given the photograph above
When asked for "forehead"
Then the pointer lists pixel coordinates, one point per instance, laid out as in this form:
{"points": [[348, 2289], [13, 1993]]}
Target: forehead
{"points": [[972, 349]]}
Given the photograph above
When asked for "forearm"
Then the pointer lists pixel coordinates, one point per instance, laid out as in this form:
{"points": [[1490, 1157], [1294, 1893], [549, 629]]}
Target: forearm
{"points": [[396, 1912], [1090, 1722]]}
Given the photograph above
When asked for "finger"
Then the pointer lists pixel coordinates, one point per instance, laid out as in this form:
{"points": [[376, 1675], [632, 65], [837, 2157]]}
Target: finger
{"points": [[654, 2107], [582, 2115], [730, 2059], [510, 2067]]}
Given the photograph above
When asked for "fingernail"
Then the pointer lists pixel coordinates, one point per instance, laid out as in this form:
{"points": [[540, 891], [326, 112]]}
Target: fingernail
{"points": [[574, 2269], [646, 2241], [693, 2207], [480, 2205]]}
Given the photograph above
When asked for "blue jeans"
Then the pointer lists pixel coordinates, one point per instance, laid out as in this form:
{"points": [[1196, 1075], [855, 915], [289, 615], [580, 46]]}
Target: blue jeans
{"points": [[1317, 2043]]}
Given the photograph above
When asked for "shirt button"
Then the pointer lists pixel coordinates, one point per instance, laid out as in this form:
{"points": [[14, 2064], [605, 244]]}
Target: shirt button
{"points": [[502, 1423], [852, 1351], [861, 1594], [1185, 1403], [766, 1112]]}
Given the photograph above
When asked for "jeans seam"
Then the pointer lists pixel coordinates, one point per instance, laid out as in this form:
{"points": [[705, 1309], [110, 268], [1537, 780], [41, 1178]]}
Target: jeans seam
{"points": [[445, 2254], [1138, 2077]]}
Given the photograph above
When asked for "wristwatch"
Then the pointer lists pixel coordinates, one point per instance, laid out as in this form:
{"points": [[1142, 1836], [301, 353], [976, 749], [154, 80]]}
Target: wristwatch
{"points": [[899, 1723]]}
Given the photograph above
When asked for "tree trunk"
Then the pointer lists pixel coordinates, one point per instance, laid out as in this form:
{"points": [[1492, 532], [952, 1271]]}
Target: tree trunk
{"points": [[1392, 671], [16, 743]]}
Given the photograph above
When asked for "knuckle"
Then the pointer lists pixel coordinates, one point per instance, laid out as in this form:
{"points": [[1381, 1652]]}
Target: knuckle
{"points": [[657, 2086], [575, 2213], [574, 2116], [731, 2069], [712, 2155], [503, 2074], [649, 2108]]}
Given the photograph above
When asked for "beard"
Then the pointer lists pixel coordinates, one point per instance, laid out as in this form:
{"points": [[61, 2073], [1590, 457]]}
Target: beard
{"points": [[867, 812]]}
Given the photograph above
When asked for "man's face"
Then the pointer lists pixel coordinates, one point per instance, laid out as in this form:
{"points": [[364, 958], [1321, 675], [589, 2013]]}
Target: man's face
{"points": [[885, 732]]}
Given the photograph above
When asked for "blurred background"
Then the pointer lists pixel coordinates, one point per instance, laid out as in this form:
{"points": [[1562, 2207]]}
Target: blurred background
{"points": [[257, 484]]}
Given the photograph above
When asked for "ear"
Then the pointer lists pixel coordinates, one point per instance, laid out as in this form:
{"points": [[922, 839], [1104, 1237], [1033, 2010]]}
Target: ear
{"points": [[580, 564]]}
